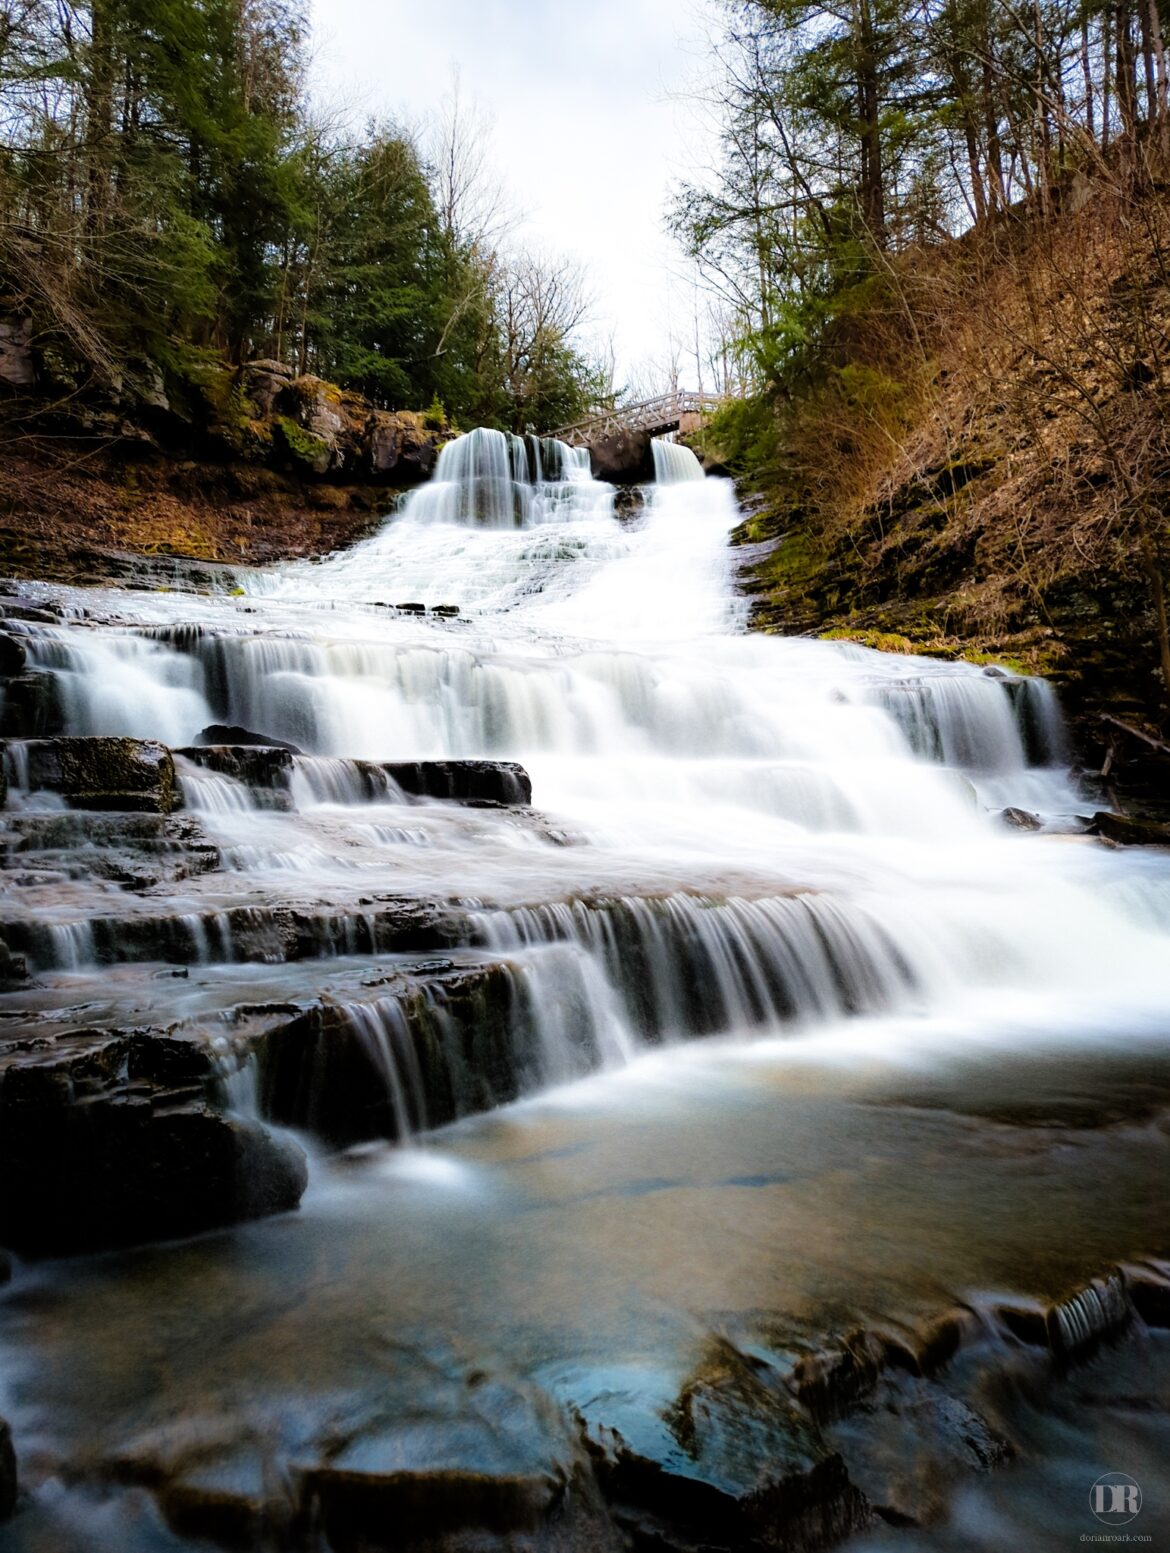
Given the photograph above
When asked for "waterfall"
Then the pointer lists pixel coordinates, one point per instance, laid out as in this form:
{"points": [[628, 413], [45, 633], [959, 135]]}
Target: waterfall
{"points": [[732, 832], [673, 462], [495, 480]]}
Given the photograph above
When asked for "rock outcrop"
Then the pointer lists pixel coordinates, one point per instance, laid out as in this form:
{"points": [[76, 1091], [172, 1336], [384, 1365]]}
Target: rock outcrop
{"points": [[1130, 830], [131, 775], [314, 427], [222, 733], [114, 1141], [623, 458]]}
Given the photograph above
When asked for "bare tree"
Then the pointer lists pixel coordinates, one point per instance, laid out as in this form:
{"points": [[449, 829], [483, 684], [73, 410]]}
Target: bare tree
{"points": [[473, 204]]}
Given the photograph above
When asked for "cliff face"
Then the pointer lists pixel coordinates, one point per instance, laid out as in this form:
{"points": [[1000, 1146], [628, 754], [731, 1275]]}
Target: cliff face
{"points": [[980, 466], [226, 465]]}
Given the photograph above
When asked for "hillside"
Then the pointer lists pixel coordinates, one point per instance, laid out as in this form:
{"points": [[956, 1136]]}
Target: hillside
{"points": [[978, 464]]}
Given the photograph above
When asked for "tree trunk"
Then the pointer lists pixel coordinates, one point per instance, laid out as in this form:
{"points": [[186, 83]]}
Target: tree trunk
{"points": [[996, 187], [1158, 43], [1147, 39], [1126, 89], [873, 195], [99, 113], [1087, 73]]}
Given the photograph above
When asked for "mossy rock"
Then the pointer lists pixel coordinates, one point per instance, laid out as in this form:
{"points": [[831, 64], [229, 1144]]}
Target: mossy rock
{"points": [[132, 775], [310, 453]]}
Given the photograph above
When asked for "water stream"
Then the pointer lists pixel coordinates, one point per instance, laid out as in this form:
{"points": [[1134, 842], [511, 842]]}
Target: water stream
{"points": [[790, 848]]}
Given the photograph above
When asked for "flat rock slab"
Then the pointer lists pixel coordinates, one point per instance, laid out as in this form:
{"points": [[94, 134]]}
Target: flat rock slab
{"points": [[137, 775]]}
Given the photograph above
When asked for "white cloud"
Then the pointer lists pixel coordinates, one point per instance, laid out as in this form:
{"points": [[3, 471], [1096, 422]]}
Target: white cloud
{"points": [[589, 134]]}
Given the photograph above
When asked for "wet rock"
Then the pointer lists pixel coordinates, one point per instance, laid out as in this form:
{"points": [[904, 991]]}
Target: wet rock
{"points": [[96, 1152], [18, 609], [13, 971], [831, 1380], [225, 733], [12, 656], [135, 775], [258, 766], [925, 1349], [468, 781], [8, 1483], [1019, 819], [1097, 1311], [272, 934], [473, 1462], [623, 458], [729, 1462], [629, 502], [1127, 830], [31, 707], [908, 1449], [457, 1042]]}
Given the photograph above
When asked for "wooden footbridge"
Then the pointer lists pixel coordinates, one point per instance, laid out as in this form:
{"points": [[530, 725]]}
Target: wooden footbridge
{"points": [[681, 410]]}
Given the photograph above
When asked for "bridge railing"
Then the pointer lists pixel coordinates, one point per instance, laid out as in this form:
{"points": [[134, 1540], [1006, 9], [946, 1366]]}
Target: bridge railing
{"points": [[649, 415]]}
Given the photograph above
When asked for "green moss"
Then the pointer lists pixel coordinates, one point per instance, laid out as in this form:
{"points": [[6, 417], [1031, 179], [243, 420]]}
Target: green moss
{"points": [[302, 445], [1003, 660], [882, 641], [796, 562]]}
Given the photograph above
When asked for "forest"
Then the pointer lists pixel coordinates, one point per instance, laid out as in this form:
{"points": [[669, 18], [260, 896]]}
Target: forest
{"points": [[171, 196]]}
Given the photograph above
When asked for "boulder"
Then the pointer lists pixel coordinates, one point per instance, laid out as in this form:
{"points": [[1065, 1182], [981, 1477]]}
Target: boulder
{"points": [[729, 1461], [623, 458], [468, 781], [225, 733], [1129, 830], [261, 383], [1019, 819], [629, 503], [400, 445], [131, 775]]}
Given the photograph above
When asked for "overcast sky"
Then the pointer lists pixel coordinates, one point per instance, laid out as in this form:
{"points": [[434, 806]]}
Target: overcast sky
{"points": [[591, 125]]}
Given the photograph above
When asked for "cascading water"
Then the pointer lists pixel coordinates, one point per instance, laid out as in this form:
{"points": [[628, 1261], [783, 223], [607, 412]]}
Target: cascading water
{"points": [[673, 463], [711, 780], [789, 848]]}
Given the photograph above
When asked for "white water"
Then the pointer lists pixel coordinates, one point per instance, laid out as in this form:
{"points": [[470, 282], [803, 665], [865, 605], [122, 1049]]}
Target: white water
{"points": [[735, 832]]}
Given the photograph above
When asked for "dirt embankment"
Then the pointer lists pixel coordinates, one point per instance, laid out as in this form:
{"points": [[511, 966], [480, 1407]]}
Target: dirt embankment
{"points": [[980, 466], [259, 466]]}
